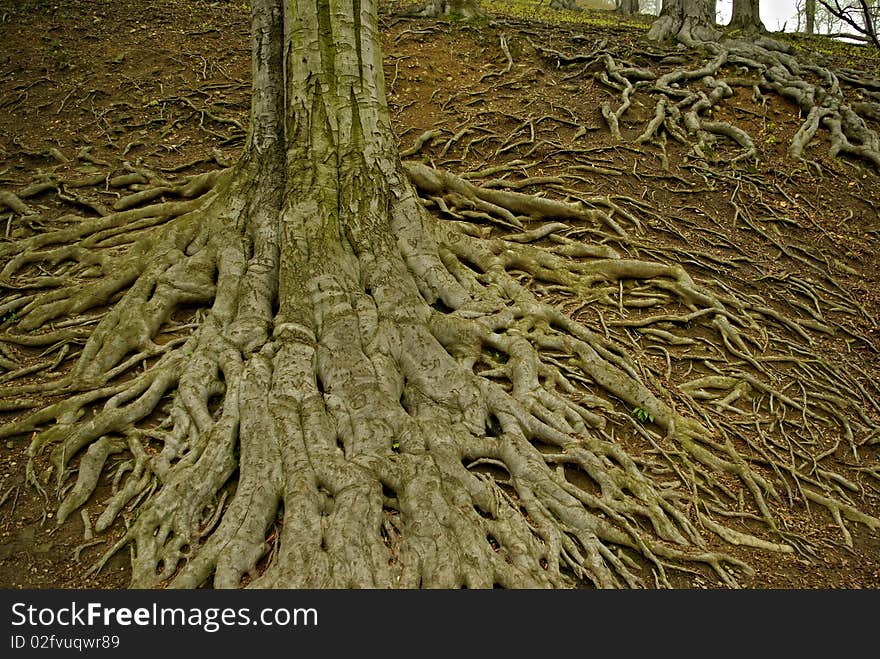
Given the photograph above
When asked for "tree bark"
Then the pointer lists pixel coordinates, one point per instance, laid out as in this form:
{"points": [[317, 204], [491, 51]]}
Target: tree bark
{"points": [[627, 7], [689, 21], [355, 409], [746, 17], [342, 335], [810, 17], [569, 5], [462, 8]]}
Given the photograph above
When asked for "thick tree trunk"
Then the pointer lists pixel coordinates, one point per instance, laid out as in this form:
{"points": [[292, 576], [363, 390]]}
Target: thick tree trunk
{"points": [[462, 8], [341, 334], [689, 21], [569, 5], [746, 17], [355, 408], [627, 6], [810, 16]]}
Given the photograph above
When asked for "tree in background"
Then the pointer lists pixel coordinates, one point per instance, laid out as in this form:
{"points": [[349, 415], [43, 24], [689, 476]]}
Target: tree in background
{"points": [[746, 17], [462, 8], [852, 19], [689, 21], [569, 5], [627, 6], [858, 18]]}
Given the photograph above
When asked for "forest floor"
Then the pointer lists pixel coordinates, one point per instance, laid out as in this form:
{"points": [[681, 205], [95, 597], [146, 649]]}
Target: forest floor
{"points": [[89, 85]]}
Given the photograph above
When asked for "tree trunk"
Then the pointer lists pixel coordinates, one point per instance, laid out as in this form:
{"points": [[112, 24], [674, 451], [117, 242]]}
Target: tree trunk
{"points": [[569, 5], [627, 6], [746, 17], [461, 8], [689, 21], [810, 17], [871, 14], [352, 413], [870, 20]]}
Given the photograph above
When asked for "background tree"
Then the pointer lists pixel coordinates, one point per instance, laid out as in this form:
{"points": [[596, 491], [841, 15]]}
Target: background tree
{"points": [[689, 21], [859, 18], [463, 8], [569, 5], [746, 17], [627, 6]]}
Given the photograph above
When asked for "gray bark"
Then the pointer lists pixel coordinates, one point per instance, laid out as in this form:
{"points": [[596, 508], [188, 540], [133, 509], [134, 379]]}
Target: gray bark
{"points": [[462, 8], [627, 6], [746, 17], [689, 21], [351, 400]]}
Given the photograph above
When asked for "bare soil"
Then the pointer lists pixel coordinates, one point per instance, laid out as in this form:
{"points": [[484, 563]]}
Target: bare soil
{"points": [[87, 85]]}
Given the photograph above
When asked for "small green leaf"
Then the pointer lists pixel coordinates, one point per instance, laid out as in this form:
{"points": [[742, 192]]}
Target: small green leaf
{"points": [[643, 415]]}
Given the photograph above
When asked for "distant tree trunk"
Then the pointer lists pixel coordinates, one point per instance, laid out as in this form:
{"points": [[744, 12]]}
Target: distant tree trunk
{"points": [[570, 5], [689, 21], [627, 6], [870, 19], [746, 16], [463, 8], [652, 7], [810, 16]]}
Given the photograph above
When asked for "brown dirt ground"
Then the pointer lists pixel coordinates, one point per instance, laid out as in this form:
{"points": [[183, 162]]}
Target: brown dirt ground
{"points": [[165, 83]]}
